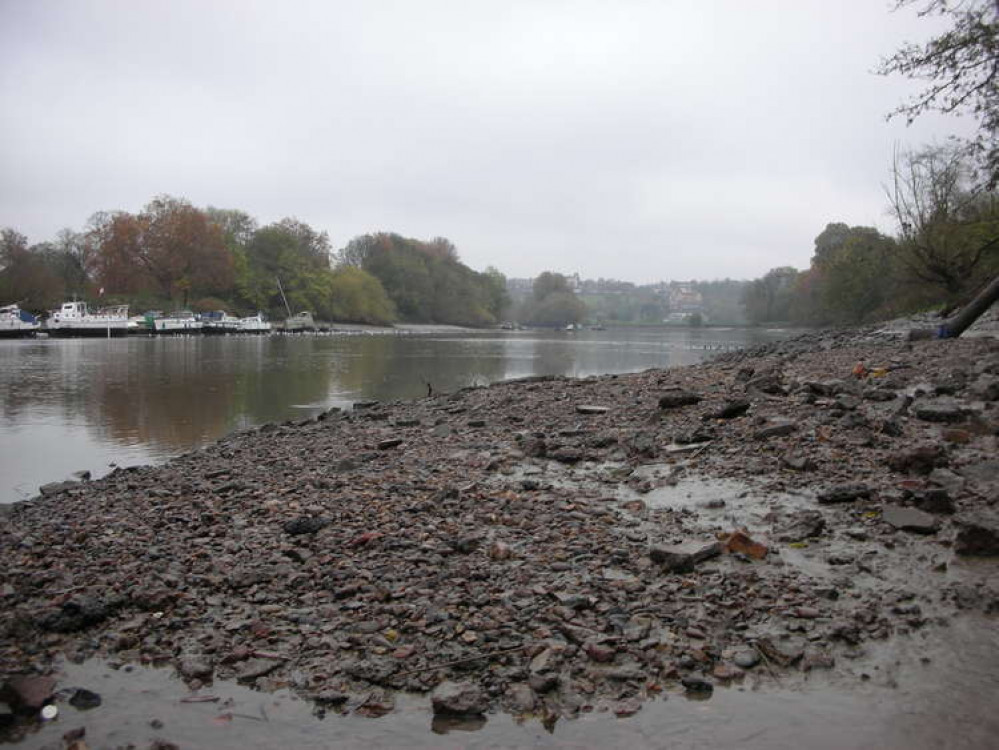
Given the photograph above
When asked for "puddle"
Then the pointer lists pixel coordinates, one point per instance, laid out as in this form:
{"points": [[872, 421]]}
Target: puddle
{"points": [[946, 701]]}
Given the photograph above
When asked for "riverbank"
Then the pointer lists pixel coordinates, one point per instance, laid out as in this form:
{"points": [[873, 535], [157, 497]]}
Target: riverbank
{"points": [[543, 547]]}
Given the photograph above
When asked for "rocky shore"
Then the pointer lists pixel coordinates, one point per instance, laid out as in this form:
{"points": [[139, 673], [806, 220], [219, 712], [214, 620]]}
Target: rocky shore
{"points": [[547, 546]]}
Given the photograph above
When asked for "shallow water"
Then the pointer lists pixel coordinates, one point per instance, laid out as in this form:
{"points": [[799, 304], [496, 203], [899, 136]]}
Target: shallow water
{"points": [[889, 699], [85, 404]]}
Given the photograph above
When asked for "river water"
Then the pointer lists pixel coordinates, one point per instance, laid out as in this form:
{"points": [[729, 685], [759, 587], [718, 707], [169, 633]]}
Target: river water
{"points": [[91, 404]]}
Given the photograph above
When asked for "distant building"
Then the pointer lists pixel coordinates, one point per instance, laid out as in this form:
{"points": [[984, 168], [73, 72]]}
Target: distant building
{"points": [[685, 300]]}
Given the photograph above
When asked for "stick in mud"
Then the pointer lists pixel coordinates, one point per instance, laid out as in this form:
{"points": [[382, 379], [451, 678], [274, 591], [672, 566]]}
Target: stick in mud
{"points": [[462, 661]]}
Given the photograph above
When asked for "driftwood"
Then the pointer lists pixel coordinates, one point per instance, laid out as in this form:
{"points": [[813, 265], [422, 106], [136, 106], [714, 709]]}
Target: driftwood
{"points": [[965, 318]]}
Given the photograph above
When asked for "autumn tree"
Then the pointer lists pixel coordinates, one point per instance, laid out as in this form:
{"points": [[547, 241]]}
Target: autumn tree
{"points": [[961, 68]]}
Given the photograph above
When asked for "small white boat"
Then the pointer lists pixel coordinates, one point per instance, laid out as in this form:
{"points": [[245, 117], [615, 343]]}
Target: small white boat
{"points": [[76, 319], [182, 321], [254, 324], [17, 323]]}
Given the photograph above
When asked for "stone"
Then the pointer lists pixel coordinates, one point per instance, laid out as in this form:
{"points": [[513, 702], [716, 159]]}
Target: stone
{"points": [[940, 410], [31, 692], [305, 525], [195, 667], [54, 488], [591, 409], [696, 683], [730, 410], [458, 698], [388, 444], [746, 659], [521, 697], [909, 519], [934, 500], [674, 398], [922, 459], [844, 493], [682, 558], [797, 462], [777, 428], [255, 668], [977, 536], [84, 699], [740, 542], [76, 614], [986, 387], [806, 524]]}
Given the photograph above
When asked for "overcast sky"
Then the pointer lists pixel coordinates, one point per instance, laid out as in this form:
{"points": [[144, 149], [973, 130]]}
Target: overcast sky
{"points": [[634, 140]]}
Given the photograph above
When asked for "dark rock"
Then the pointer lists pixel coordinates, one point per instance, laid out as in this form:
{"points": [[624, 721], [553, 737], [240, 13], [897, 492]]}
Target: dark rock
{"points": [[986, 387], [934, 500], [730, 410], [30, 692], [305, 525], [566, 455], [777, 428], [768, 383], [910, 519], [844, 493], [920, 460], [84, 699], [682, 558], [940, 410], [458, 698], [696, 683], [384, 445], [364, 404], [76, 614], [543, 682], [54, 488], [977, 536], [591, 409], [674, 398]]}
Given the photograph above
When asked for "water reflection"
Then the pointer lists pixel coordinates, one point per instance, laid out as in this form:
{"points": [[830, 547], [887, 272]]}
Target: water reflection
{"points": [[70, 405]]}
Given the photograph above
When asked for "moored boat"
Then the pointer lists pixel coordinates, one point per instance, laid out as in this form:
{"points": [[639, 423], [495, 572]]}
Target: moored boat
{"points": [[17, 323], [303, 321], [219, 321], [75, 319], [181, 321], [254, 324]]}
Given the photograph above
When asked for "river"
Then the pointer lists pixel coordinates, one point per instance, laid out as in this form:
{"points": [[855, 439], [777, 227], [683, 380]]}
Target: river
{"points": [[92, 404]]}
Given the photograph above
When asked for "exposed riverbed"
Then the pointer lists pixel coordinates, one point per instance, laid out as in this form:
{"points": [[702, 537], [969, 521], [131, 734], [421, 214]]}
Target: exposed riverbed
{"points": [[783, 548]]}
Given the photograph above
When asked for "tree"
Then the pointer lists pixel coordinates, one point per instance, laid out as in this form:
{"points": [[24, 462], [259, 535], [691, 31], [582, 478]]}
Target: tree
{"points": [[962, 68], [948, 225], [768, 299], [553, 302]]}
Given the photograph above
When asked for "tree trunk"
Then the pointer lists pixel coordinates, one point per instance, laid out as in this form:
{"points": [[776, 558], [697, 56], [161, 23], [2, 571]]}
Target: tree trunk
{"points": [[972, 311]]}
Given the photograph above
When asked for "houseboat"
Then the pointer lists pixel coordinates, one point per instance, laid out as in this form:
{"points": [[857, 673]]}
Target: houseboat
{"points": [[75, 319], [182, 321]]}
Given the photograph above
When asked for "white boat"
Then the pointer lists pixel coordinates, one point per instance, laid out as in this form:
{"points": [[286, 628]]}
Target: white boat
{"points": [[76, 319], [254, 324], [182, 321], [17, 323], [219, 321]]}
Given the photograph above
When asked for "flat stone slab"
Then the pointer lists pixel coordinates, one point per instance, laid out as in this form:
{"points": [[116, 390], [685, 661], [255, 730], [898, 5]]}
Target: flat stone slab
{"points": [[591, 409], [843, 493], [682, 558], [910, 519]]}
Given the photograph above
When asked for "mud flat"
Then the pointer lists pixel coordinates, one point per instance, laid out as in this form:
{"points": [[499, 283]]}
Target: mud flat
{"points": [[547, 547]]}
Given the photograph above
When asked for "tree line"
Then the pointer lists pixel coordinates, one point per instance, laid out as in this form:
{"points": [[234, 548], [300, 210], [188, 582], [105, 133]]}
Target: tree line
{"points": [[173, 254], [945, 249]]}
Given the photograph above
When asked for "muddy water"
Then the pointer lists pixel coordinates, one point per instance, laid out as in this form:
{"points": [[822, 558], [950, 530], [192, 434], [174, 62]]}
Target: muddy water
{"points": [[888, 699]]}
